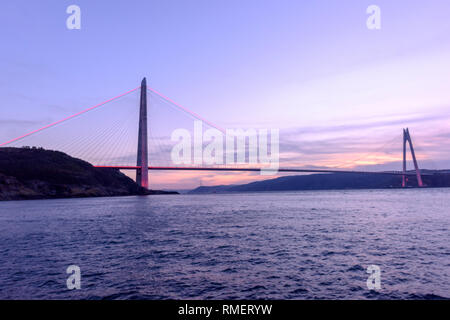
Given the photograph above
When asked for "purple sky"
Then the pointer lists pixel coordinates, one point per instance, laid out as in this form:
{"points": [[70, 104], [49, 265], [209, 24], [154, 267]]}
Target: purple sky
{"points": [[336, 90]]}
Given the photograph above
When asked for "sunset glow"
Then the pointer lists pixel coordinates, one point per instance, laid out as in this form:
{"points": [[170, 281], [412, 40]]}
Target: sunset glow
{"points": [[339, 93]]}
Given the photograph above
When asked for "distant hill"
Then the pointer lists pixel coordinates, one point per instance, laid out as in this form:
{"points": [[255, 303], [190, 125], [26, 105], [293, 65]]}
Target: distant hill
{"points": [[332, 181], [27, 173]]}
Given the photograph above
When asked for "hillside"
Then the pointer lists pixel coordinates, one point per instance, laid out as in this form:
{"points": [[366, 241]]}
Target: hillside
{"points": [[333, 181], [41, 174]]}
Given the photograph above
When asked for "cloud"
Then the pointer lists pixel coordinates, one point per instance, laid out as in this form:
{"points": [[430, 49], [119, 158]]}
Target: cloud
{"points": [[366, 124]]}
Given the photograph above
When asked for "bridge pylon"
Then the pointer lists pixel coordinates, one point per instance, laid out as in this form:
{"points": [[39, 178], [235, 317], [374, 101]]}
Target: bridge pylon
{"points": [[142, 150], [407, 138]]}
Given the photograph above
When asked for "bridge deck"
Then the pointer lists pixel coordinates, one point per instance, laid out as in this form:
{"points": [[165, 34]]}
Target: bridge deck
{"points": [[399, 173]]}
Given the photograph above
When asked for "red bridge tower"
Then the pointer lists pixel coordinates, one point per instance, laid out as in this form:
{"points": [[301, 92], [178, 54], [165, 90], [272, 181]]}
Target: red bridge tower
{"points": [[407, 138]]}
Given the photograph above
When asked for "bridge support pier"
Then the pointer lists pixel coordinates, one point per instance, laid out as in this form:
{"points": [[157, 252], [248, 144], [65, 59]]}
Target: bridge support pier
{"points": [[407, 138], [142, 150]]}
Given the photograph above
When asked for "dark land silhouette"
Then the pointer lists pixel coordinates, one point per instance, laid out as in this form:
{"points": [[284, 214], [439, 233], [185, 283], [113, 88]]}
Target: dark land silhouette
{"points": [[333, 181], [35, 173]]}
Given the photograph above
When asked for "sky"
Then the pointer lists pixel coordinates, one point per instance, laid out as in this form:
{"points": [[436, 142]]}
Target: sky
{"points": [[339, 93]]}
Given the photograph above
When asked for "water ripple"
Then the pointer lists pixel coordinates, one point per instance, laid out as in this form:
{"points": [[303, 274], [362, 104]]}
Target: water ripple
{"points": [[295, 245]]}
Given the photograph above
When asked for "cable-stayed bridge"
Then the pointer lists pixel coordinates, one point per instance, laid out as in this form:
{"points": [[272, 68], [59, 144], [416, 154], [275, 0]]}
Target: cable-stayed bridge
{"points": [[122, 146]]}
